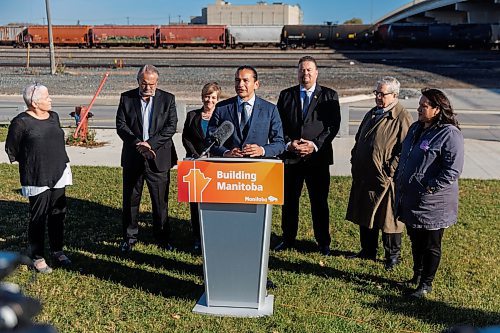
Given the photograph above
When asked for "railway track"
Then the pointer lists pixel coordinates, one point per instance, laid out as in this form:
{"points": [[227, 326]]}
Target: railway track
{"points": [[264, 58]]}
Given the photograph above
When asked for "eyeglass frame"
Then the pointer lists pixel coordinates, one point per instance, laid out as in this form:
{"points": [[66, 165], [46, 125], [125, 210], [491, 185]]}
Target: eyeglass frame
{"points": [[33, 92], [377, 93]]}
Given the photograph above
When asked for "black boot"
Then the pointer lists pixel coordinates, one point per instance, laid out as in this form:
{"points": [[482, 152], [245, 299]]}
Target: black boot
{"points": [[422, 291]]}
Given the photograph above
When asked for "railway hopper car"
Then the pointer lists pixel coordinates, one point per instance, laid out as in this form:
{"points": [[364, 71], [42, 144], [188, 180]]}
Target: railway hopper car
{"points": [[245, 35], [9, 34], [123, 35], [63, 35], [171, 36]]}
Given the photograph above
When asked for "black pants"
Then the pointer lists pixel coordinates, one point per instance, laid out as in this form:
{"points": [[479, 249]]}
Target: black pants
{"points": [[158, 185], [369, 243], [426, 251], [317, 180], [49, 208], [195, 221]]}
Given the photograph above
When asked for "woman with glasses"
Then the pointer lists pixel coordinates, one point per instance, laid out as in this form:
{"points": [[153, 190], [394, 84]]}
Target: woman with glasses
{"points": [[36, 141], [193, 140], [431, 162]]}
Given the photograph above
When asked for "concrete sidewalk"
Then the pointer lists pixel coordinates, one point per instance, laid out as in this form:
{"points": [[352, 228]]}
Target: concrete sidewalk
{"points": [[482, 158]]}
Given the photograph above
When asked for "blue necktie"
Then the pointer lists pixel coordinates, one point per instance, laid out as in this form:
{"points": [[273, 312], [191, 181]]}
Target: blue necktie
{"points": [[244, 116], [305, 104]]}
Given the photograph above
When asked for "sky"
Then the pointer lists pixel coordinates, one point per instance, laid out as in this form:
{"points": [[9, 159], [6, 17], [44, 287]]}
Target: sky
{"points": [[92, 12]]}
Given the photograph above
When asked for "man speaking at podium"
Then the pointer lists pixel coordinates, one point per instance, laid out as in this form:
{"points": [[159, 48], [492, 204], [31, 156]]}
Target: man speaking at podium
{"points": [[258, 130]]}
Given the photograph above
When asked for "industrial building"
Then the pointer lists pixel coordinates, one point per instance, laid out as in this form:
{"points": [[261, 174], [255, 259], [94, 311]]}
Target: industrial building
{"points": [[262, 13]]}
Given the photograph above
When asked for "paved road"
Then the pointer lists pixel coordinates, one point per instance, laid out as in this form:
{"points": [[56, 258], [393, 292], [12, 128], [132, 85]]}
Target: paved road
{"points": [[478, 110], [479, 114]]}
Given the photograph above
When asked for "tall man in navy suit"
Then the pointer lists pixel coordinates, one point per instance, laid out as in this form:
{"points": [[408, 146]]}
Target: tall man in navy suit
{"points": [[146, 120], [257, 124], [311, 118]]}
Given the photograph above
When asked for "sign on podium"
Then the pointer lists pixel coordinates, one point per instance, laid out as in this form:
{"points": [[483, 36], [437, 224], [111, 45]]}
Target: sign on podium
{"points": [[235, 197]]}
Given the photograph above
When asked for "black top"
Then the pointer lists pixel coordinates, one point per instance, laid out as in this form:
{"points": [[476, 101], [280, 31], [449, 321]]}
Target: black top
{"points": [[193, 136], [38, 146]]}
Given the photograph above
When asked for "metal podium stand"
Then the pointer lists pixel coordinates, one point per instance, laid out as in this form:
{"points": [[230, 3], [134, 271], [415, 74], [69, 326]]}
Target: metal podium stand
{"points": [[235, 247]]}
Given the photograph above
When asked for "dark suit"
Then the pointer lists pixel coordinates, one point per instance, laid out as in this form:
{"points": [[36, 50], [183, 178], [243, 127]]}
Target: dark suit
{"points": [[264, 127], [193, 137], [136, 169], [193, 140], [320, 125]]}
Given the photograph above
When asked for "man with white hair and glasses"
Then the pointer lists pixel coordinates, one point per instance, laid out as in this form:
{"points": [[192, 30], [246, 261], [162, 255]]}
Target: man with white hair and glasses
{"points": [[374, 159]]}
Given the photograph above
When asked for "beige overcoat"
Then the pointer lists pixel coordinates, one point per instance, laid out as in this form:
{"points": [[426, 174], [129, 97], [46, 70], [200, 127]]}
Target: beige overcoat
{"points": [[374, 159]]}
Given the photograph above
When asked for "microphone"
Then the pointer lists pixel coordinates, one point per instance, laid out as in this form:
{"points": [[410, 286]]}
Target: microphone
{"points": [[220, 135]]}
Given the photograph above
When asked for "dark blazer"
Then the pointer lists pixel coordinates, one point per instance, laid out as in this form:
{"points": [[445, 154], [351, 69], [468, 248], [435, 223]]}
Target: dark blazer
{"points": [[162, 128], [321, 124], [265, 127], [193, 137]]}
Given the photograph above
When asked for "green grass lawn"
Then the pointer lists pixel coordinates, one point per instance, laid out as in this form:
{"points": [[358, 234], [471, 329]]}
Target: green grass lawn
{"points": [[155, 291], [3, 132]]}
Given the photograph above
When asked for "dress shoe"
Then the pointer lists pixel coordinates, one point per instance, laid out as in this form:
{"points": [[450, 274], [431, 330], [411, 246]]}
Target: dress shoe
{"points": [[197, 247], [283, 246], [127, 246], [422, 291], [60, 259], [391, 263], [362, 255], [325, 250], [166, 246], [415, 280]]}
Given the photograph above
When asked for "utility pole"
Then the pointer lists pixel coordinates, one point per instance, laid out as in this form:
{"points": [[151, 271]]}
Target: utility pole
{"points": [[51, 40], [128, 20]]}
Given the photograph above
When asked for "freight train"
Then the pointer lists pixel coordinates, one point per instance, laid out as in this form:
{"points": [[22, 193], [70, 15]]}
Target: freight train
{"points": [[438, 35], [287, 36]]}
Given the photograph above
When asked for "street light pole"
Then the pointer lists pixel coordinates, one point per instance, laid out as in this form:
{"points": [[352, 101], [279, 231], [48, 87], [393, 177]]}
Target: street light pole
{"points": [[51, 40]]}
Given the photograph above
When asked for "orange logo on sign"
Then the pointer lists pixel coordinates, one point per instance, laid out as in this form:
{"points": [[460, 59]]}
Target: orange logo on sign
{"points": [[230, 182]]}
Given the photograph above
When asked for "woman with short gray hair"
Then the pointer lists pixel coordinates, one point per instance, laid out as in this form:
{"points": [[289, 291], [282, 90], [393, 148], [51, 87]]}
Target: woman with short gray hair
{"points": [[36, 141]]}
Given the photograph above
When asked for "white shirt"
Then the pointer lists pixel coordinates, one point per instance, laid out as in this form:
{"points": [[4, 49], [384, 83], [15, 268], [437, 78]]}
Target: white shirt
{"points": [[146, 111], [309, 93], [65, 180], [250, 102]]}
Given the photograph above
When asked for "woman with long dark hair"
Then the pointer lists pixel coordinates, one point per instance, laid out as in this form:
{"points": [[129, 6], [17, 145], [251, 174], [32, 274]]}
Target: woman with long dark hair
{"points": [[431, 162]]}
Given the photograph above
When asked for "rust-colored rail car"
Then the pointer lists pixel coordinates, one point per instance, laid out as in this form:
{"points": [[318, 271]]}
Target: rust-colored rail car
{"points": [[123, 35], [64, 35], [193, 35], [9, 34]]}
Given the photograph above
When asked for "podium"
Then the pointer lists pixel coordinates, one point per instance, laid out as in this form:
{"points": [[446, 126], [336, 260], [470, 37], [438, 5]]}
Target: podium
{"points": [[235, 197]]}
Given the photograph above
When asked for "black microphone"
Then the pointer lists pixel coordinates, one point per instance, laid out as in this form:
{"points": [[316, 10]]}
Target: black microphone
{"points": [[220, 135]]}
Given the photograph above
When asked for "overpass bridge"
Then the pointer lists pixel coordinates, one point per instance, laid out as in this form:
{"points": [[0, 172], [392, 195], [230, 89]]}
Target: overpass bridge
{"points": [[445, 11]]}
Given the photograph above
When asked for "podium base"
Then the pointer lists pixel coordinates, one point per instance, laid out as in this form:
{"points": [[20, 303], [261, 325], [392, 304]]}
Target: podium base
{"points": [[229, 311]]}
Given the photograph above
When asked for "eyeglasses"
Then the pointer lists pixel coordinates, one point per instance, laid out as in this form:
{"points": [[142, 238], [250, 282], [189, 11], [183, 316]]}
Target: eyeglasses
{"points": [[33, 92], [381, 94]]}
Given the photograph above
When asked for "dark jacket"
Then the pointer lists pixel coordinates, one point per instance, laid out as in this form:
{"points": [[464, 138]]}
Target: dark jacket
{"points": [[374, 159], [320, 125], [193, 137], [427, 176], [264, 129], [39, 147], [162, 128]]}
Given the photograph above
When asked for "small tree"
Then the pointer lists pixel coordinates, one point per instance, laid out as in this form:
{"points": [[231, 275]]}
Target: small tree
{"points": [[354, 20]]}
